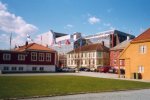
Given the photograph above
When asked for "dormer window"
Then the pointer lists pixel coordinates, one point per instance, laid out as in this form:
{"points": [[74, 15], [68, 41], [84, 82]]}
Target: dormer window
{"points": [[6, 56]]}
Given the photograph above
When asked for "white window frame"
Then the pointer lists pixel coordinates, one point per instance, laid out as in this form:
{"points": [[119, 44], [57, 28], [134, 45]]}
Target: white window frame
{"points": [[6, 56], [33, 54], [41, 56], [20, 68], [48, 57], [114, 62], [140, 69], [34, 68], [41, 68], [6, 68], [121, 62], [143, 49], [21, 57], [13, 68]]}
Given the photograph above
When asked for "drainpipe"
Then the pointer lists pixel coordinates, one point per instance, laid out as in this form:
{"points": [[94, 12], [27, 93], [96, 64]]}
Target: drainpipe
{"points": [[118, 67]]}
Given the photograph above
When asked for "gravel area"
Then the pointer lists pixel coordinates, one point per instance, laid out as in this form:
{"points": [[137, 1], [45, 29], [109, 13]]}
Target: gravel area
{"points": [[121, 95]]}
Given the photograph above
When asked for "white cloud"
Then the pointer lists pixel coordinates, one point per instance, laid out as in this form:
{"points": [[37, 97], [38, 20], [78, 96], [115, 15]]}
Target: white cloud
{"points": [[10, 23], [107, 24], [3, 6], [93, 20], [68, 26]]}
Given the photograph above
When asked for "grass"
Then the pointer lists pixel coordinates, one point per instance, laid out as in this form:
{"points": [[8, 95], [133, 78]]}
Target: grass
{"points": [[27, 86]]}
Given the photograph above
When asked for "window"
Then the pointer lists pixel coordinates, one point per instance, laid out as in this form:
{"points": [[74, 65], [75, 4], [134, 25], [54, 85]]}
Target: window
{"points": [[13, 68], [34, 56], [141, 69], [93, 61], [6, 57], [115, 62], [41, 68], [93, 54], [21, 57], [121, 62], [48, 57], [6, 68], [85, 62], [20, 68], [41, 56], [114, 53], [143, 49], [99, 54], [34, 68]]}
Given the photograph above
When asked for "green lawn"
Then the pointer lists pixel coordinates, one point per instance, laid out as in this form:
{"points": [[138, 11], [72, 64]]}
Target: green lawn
{"points": [[26, 86]]}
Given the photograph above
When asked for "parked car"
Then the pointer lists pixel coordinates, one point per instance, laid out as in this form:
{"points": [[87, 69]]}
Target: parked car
{"points": [[122, 71], [104, 69], [84, 69], [58, 69], [92, 69], [98, 69], [112, 70], [68, 69]]}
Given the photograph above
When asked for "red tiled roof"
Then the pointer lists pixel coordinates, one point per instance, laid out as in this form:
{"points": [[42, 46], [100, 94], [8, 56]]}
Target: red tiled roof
{"points": [[91, 47], [33, 46], [145, 36]]}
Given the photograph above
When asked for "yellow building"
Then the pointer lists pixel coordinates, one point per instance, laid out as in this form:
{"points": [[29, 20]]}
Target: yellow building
{"points": [[137, 57]]}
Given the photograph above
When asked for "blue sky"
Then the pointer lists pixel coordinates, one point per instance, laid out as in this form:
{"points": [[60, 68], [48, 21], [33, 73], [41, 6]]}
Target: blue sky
{"points": [[67, 16]]}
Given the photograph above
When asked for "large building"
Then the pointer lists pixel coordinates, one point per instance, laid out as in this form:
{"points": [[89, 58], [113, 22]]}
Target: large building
{"points": [[65, 44], [136, 56], [70, 42], [111, 38], [28, 58], [46, 38], [90, 56]]}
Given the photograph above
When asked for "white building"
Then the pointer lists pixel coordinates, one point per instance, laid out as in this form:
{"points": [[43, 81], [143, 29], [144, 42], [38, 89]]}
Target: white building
{"points": [[90, 56]]}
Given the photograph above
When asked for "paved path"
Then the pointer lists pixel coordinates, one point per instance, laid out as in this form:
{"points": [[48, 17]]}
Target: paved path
{"points": [[92, 74], [121, 95]]}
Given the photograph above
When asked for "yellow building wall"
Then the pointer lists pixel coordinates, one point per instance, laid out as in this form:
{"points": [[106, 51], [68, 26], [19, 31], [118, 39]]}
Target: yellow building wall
{"points": [[134, 59]]}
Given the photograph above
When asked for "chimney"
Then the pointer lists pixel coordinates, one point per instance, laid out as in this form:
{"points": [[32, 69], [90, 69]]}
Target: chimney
{"points": [[26, 43], [128, 38], [102, 43]]}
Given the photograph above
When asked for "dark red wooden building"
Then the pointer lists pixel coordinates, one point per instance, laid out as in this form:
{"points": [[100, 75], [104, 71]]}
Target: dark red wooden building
{"points": [[28, 58]]}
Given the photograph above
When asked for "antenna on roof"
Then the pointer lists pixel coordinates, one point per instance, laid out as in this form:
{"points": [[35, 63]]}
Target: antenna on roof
{"points": [[10, 40]]}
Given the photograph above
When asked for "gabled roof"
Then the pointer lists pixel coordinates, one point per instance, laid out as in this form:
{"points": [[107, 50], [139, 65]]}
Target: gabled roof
{"points": [[91, 47], [34, 46], [122, 45], [145, 36]]}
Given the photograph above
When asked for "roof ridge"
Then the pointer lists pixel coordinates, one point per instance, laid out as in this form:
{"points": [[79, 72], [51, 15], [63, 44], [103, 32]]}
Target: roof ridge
{"points": [[96, 46], [29, 45], [140, 35]]}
